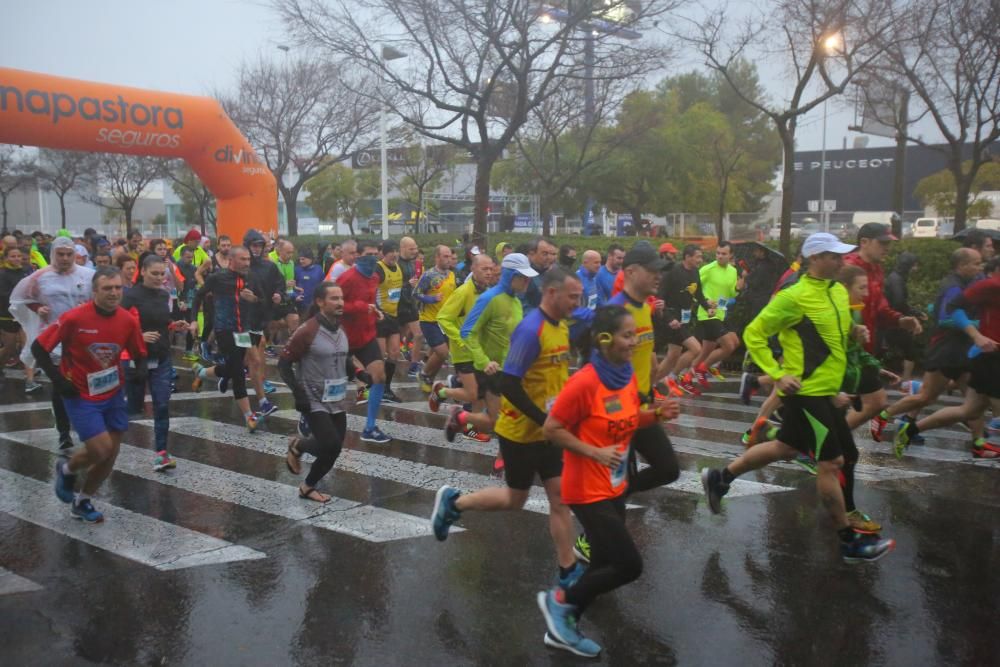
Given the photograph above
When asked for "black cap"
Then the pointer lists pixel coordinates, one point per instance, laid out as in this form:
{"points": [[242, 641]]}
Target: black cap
{"points": [[390, 245], [644, 254], [877, 231], [307, 253]]}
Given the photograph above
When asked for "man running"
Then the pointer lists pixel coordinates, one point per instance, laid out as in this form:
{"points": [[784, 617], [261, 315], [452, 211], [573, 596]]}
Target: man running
{"points": [[533, 375], [348, 255], [359, 284], [233, 291], [284, 315], [590, 264], [258, 316], [720, 281], [409, 314], [434, 288], [542, 255], [812, 320], [608, 272], [387, 298], [681, 292], [89, 378]]}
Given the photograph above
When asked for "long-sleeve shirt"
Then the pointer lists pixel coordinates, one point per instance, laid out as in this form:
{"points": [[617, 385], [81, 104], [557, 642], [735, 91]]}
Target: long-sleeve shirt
{"points": [[152, 308], [984, 295], [605, 284], [589, 298], [308, 279], [680, 290], [230, 308], [877, 314], [359, 293], [488, 328], [452, 316]]}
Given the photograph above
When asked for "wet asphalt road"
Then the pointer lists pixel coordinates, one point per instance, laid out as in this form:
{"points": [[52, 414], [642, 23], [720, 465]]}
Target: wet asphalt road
{"points": [[219, 563]]}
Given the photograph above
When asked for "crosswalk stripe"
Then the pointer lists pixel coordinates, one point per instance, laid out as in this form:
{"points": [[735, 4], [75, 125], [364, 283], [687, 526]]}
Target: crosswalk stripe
{"points": [[689, 482], [209, 393], [348, 517], [158, 544], [11, 583]]}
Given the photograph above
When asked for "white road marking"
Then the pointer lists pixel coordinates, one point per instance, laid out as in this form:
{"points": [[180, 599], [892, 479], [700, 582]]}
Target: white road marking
{"points": [[11, 583]]}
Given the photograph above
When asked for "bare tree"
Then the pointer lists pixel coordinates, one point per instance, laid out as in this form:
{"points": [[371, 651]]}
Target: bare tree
{"points": [[823, 44], [124, 179], [476, 69], [197, 201], [948, 54], [61, 172], [420, 168], [301, 116], [16, 169]]}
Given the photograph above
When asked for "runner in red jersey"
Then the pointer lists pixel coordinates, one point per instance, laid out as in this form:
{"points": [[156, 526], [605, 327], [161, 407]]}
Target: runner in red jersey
{"points": [[90, 380]]}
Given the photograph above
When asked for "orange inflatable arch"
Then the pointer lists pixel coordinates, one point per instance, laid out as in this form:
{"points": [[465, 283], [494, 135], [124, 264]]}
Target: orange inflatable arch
{"points": [[55, 112]]}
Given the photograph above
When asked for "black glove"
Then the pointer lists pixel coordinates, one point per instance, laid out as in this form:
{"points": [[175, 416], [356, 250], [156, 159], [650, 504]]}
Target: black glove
{"points": [[64, 387]]}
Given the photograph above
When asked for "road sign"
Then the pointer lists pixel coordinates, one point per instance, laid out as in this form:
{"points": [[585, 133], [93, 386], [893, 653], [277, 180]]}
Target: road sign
{"points": [[828, 205]]}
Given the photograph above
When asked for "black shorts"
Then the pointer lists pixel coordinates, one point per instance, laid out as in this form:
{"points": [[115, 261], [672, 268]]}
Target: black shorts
{"points": [[10, 326], [255, 338], [521, 462], [901, 342], [465, 367], [679, 335], [711, 330], [368, 353], [869, 381], [948, 357], [814, 426], [387, 326], [985, 378], [407, 314]]}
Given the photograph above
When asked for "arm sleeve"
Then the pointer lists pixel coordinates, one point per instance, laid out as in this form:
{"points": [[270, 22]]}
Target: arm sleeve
{"points": [[136, 344], [512, 389], [781, 313], [420, 292]]}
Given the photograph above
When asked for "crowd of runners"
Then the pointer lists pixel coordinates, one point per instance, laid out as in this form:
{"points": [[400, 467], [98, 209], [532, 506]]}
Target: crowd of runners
{"points": [[572, 362]]}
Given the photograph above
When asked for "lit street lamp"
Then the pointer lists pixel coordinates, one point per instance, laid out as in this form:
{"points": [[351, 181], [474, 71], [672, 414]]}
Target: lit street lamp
{"points": [[829, 45], [388, 53]]}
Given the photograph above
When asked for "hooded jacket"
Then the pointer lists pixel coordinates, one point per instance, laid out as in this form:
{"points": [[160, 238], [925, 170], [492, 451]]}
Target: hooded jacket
{"points": [[264, 273], [877, 314], [896, 291], [488, 327]]}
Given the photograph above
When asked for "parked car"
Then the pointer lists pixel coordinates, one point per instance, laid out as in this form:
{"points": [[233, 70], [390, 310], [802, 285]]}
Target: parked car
{"points": [[845, 231], [988, 223], [926, 228], [795, 231]]}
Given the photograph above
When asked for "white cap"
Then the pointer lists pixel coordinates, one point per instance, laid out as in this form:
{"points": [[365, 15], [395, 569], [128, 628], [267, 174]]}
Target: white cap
{"points": [[824, 242], [519, 263]]}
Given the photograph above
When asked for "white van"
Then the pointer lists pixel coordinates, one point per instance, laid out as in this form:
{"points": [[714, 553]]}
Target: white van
{"points": [[864, 217], [988, 223], [926, 228]]}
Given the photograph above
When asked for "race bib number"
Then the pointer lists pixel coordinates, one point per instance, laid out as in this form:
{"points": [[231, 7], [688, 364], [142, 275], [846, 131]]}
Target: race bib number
{"points": [[101, 382], [394, 295], [620, 472], [334, 391], [720, 311], [685, 315], [152, 363], [592, 302], [242, 339]]}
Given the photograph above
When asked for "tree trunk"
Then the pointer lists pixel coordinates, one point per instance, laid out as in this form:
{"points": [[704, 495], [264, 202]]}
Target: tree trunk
{"points": [[128, 219], [636, 221], [291, 210], [719, 226], [420, 209], [482, 203], [963, 184], [3, 202], [787, 187], [62, 211], [201, 217]]}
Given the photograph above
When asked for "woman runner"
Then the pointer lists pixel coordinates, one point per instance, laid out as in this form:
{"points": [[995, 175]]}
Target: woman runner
{"points": [[593, 419]]}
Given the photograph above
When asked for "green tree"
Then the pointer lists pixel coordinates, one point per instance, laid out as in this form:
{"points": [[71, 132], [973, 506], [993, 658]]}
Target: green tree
{"points": [[421, 168], [197, 201], [339, 192], [939, 190]]}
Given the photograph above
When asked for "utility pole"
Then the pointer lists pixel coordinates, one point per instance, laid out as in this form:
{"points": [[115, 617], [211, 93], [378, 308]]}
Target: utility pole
{"points": [[902, 124]]}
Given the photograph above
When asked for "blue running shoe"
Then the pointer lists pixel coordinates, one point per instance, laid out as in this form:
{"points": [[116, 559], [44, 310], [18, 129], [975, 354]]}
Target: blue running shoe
{"points": [[414, 370], [571, 577], [85, 511], [865, 548], [206, 352], [585, 648], [444, 513], [266, 408], [223, 385], [560, 618], [375, 435], [269, 387], [303, 428], [65, 482]]}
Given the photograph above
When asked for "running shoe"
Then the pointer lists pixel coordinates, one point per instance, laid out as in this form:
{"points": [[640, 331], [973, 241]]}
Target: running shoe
{"points": [[266, 408], [163, 461], [581, 548], [362, 396], [64, 483], [426, 383], [32, 386], [270, 387], [414, 370], [673, 388], [758, 432], [271, 352], [196, 383], [586, 651], [716, 373], [471, 433], [389, 396], [434, 400], [715, 488], [807, 463], [877, 426], [865, 548], [303, 427], [701, 374], [745, 438], [223, 385], [917, 439], [374, 434], [190, 356], [65, 442], [862, 523], [748, 387], [985, 450], [452, 427], [206, 352], [84, 510], [453, 381], [904, 431], [252, 421], [686, 383], [498, 466], [444, 513]]}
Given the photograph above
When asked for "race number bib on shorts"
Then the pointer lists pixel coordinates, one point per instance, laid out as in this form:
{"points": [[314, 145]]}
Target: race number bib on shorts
{"points": [[242, 339], [334, 391], [101, 382], [685, 315]]}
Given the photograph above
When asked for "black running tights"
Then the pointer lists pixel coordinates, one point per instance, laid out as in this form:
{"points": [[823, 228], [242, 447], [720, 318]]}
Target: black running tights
{"points": [[614, 558], [233, 368], [654, 446], [325, 443]]}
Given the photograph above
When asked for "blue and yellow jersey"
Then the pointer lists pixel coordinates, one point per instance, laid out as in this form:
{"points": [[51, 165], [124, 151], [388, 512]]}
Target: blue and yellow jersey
{"points": [[390, 288], [539, 355], [644, 356], [433, 284]]}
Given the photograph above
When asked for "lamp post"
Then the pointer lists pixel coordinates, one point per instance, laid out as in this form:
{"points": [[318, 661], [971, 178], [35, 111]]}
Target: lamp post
{"points": [[829, 45], [388, 53]]}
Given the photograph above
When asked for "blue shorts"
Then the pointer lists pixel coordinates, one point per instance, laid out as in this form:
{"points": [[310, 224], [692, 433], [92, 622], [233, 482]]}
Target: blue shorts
{"points": [[433, 334], [92, 418]]}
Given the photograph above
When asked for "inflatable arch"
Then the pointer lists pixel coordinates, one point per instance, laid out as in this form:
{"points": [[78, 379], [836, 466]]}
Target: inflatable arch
{"points": [[54, 112]]}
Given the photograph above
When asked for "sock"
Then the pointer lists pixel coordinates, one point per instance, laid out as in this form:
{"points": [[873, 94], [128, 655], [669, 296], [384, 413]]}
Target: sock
{"points": [[847, 534], [727, 477], [442, 393], [390, 370], [374, 403], [203, 373], [884, 415], [849, 487], [80, 497], [564, 571]]}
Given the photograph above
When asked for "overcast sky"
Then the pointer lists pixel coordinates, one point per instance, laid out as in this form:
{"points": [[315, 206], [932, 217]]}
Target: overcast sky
{"points": [[195, 46]]}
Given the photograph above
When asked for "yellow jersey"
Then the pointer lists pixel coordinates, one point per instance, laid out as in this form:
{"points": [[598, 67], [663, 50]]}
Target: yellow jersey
{"points": [[433, 284], [390, 288], [644, 355]]}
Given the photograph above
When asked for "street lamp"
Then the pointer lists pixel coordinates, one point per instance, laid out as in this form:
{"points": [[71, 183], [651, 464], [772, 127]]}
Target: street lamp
{"points": [[828, 45], [388, 53]]}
